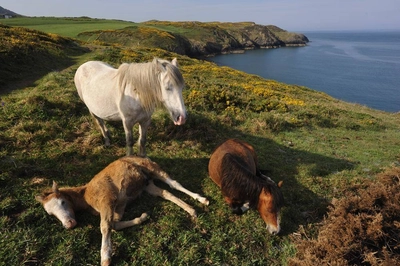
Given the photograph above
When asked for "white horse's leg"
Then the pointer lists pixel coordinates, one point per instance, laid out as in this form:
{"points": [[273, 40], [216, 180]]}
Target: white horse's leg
{"points": [[143, 126], [124, 224], [156, 191], [103, 129], [128, 125]]}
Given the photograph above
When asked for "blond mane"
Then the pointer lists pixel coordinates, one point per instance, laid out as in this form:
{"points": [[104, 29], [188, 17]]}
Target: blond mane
{"points": [[143, 79]]}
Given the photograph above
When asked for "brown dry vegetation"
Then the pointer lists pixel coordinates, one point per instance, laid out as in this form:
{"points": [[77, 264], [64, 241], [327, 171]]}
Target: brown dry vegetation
{"points": [[362, 228]]}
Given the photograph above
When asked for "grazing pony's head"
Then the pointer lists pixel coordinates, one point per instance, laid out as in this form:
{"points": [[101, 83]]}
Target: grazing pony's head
{"points": [[262, 193], [58, 204], [270, 202]]}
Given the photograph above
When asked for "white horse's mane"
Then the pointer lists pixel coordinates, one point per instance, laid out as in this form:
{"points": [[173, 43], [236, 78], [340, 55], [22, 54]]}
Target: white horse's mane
{"points": [[143, 79]]}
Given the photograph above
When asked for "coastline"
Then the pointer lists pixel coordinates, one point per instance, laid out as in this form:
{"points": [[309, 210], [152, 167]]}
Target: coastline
{"points": [[243, 50], [358, 67]]}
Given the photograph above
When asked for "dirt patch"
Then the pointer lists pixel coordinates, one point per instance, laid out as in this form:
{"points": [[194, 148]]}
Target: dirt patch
{"points": [[362, 228]]}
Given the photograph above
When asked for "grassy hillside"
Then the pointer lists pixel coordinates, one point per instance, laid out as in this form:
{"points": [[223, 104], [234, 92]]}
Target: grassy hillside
{"points": [[321, 148], [28, 54], [191, 37], [67, 27], [197, 38]]}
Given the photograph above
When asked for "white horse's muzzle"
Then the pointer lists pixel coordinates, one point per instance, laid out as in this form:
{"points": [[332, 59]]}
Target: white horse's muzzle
{"points": [[181, 120]]}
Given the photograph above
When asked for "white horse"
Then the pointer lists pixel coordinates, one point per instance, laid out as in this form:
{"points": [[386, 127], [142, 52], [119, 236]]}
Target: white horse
{"points": [[131, 93]]}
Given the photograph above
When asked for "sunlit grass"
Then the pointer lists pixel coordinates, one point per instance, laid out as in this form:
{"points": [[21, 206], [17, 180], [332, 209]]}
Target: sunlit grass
{"points": [[68, 27], [317, 145]]}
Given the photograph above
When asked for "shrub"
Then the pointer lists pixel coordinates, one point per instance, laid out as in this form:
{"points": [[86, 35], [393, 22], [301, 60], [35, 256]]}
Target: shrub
{"points": [[362, 228]]}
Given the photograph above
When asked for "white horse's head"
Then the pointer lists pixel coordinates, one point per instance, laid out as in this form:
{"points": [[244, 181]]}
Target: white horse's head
{"points": [[172, 83], [55, 203]]}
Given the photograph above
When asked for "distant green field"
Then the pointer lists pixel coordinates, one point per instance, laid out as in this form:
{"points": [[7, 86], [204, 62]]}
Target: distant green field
{"points": [[68, 27]]}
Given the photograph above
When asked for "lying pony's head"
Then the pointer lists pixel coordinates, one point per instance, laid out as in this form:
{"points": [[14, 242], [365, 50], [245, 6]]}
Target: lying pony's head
{"points": [[58, 204]]}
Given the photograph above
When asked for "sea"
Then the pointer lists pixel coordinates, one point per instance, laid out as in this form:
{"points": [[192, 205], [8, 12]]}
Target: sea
{"points": [[357, 67]]}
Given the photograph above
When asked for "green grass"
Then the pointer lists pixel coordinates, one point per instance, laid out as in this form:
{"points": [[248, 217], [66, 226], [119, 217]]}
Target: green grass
{"points": [[68, 27], [319, 146]]}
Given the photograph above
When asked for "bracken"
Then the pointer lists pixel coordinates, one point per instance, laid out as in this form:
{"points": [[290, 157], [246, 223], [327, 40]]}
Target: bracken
{"points": [[362, 228]]}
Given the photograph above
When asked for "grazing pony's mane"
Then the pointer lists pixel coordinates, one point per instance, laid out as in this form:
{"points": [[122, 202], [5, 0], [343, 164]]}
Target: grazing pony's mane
{"points": [[239, 183], [143, 79]]}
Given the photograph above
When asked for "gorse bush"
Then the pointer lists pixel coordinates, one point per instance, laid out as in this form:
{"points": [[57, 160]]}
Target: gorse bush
{"points": [[218, 91]]}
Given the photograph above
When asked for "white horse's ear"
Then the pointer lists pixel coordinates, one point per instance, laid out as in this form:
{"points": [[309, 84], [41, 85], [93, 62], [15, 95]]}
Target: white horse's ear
{"points": [[55, 187], [175, 62], [159, 64]]}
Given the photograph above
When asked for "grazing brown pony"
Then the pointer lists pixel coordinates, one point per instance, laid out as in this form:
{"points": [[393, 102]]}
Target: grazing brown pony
{"points": [[108, 193], [234, 168]]}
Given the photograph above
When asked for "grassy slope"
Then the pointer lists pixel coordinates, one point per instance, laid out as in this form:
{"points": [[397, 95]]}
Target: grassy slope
{"points": [[318, 145], [27, 54], [68, 27]]}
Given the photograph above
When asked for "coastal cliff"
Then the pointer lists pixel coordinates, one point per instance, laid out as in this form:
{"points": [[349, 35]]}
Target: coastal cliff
{"points": [[194, 38]]}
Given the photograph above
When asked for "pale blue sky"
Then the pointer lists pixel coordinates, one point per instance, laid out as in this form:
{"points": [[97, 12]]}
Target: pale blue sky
{"points": [[292, 15]]}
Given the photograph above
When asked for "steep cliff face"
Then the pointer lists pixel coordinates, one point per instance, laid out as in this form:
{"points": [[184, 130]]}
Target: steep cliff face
{"points": [[231, 37], [257, 36], [289, 38]]}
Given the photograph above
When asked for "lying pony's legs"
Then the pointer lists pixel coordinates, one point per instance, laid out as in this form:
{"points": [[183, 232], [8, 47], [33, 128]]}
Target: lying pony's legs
{"points": [[124, 224], [106, 217], [156, 191], [163, 176]]}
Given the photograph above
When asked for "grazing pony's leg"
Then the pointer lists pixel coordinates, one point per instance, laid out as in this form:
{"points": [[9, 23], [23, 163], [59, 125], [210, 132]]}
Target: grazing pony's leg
{"points": [[237, 207], [143, 126], [245, 207], [156, 191], [103, 129]]}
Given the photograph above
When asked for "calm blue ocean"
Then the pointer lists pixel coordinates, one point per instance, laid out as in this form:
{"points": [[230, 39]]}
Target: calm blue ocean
{"points": [[357, 67]]}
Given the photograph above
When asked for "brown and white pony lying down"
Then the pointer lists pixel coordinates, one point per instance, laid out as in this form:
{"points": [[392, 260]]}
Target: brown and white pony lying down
{"points": [[108, 193], [233, 166]]}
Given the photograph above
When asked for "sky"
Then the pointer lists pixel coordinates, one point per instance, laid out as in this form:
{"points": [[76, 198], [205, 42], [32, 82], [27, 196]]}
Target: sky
{"points": [[291, 15]]}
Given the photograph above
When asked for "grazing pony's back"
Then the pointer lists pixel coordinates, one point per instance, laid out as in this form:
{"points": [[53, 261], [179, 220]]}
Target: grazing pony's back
{"points": [[234, 168]]}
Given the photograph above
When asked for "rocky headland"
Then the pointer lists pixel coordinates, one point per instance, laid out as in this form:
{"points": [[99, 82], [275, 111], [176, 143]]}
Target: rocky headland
{"points": [[197, 39]]}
